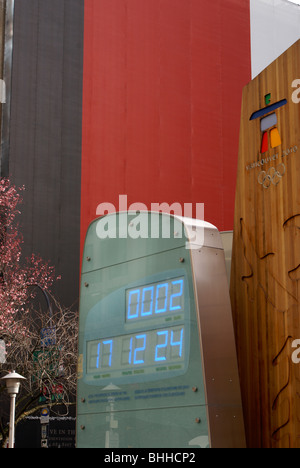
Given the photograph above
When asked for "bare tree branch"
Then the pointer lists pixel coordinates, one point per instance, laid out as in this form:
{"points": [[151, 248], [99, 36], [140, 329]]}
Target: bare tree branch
{"points": [[46, 356]]}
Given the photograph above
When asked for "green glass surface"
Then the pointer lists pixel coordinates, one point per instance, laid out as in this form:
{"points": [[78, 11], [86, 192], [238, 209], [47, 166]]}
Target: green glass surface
{"points": [[131, 389]]}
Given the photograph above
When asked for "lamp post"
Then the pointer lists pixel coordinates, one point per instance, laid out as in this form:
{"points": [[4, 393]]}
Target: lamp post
{"points": [[13, 382]]}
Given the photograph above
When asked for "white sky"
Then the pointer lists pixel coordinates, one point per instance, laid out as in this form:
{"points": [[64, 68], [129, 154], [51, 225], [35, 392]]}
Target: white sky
{"points": [[275, 26]]}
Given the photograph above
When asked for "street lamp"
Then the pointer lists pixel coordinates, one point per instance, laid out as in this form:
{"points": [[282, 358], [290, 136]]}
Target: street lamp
{"points": [[13, 382]]}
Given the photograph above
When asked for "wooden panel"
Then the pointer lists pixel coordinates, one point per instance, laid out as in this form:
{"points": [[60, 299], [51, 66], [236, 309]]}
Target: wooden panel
{"points": [[265, 287]]}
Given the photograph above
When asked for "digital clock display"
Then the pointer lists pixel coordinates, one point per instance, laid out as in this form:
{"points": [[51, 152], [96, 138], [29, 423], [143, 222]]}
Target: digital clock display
{"points": [[141, 352], [150, 339], [154, 300]]}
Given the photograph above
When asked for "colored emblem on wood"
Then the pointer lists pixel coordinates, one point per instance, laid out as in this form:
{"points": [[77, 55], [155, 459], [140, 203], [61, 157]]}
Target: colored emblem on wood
{"points": [[269, 122]]}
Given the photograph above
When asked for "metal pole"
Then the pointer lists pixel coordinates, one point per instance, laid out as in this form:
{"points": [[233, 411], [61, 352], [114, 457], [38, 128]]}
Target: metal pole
{"points": [[48, 302], [11, 442], [7, 74]]}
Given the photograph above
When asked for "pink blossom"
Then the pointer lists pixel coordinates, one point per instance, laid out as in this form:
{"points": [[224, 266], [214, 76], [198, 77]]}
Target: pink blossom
{"points": [[17, 279]]}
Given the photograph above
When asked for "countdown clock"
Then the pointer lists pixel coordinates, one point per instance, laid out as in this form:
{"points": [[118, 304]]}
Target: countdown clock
{"points": [[156, 336]]}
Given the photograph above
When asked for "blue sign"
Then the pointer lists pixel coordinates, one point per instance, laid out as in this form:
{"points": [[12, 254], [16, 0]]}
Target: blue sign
{"points": [[48, 337]]}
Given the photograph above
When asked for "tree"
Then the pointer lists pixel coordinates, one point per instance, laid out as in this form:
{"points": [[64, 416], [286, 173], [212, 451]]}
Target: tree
{"points": [[16, 280], [43, 349], [40, 344]]}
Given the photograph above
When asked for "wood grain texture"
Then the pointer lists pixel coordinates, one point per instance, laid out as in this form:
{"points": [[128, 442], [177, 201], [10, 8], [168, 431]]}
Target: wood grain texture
{"points": [[265, 279]]}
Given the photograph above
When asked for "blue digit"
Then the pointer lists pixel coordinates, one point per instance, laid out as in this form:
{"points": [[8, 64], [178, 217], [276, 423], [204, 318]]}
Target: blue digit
{"points": [[99, 362], [131, 314], [179, 294], [161, 346], [139, 350], [160, 310], [110, 343], [177, 343], [130, 351], [98, 356], [144, 312]]}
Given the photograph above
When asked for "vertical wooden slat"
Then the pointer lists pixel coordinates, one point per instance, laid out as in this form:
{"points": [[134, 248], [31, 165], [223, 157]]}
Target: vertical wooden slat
{"points": [[266, 261]]}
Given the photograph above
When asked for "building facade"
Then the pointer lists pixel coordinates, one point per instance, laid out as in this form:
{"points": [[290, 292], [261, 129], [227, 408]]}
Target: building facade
{"points": [[140, 98]]}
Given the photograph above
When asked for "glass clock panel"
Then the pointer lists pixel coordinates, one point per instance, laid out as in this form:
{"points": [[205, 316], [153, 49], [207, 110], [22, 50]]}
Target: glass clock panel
{"points": [[144, 353]]}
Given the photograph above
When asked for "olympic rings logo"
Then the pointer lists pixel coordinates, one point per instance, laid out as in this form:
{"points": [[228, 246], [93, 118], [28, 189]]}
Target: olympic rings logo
{"points": [[273, 176]]}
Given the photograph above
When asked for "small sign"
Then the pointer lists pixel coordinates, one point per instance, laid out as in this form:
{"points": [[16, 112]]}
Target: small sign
{"points": [[44, 431], [48, 337], [45, 416], [44, 443]]}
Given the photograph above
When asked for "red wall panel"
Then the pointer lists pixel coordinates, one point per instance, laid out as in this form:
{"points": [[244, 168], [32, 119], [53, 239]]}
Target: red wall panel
{"points": [[162, 93]]}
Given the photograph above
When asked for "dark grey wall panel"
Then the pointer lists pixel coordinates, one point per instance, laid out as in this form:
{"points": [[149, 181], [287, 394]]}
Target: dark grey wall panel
{"points": [[45, 132]]}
